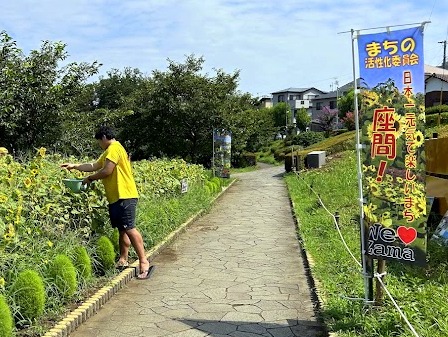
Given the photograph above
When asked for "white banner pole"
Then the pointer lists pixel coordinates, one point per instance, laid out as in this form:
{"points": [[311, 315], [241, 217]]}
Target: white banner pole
{"points": [[367, 278]]}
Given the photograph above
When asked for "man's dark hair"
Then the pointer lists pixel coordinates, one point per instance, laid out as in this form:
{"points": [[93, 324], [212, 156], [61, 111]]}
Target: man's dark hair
{"points": [[104, 130]]}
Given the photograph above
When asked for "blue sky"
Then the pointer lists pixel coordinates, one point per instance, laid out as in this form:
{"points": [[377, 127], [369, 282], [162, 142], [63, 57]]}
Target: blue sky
{"points": [[274, 44]]}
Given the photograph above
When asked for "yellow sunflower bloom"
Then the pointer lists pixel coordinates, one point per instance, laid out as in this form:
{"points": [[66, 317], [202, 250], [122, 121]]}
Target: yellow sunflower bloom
{"points": [[370, 98], [419, 139], [390, 193], [375, 189], [369, 212], [27, 182], [49, 243], [42, 151], [2, 282], [3, 198]]}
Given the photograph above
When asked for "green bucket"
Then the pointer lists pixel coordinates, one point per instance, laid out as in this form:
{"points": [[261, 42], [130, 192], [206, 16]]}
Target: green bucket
{"points": [[75, 185]]}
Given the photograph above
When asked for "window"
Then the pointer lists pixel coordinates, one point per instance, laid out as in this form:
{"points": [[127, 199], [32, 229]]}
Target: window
{"points": [[332, 104], [302, 102], [318, 106], [281, 98]]}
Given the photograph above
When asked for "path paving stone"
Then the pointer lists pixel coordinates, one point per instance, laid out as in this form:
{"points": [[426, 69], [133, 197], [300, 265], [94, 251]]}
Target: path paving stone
{"points": [[237, 271]]}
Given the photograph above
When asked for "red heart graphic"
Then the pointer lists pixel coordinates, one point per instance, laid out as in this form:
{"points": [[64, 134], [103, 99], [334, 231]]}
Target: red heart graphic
{"points": [[407, 235]]}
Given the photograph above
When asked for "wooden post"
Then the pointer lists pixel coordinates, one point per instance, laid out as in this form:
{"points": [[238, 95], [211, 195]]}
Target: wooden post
{"points": [[381, 267]]}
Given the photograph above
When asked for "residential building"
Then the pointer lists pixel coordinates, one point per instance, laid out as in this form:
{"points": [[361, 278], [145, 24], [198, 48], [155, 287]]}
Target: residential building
{"points": [[265, 102], [297, 98], [436, 86]]}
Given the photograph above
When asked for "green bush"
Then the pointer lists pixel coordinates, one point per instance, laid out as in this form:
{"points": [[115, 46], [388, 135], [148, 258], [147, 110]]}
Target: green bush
{"points": [[29, 294], [115, 238], [308, 138], [245, 159], [63, 273], [105, 253], [216, 180], [433, 120], [436, 109], [6, 321], [82, 262]]}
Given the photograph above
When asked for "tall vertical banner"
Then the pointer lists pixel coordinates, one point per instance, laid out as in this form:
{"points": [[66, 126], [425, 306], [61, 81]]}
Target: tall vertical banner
{"points": [[222, 141], [393, 117]]}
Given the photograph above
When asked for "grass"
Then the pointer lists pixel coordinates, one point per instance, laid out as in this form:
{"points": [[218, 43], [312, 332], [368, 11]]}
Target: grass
{"points": [[422, 293]]}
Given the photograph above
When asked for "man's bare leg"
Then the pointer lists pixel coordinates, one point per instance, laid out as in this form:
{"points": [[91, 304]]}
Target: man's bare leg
{"points": [[124, 243], [137, 242]]}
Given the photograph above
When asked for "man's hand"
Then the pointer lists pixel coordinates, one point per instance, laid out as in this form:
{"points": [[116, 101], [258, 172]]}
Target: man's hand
{"points": [[86, 181], [68, 166]]}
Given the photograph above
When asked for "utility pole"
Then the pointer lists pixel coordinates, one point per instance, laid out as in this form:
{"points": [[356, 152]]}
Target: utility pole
{"points": [[444, 53]]}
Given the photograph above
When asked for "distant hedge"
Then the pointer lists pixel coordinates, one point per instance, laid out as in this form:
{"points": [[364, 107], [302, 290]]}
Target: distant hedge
{"points": [[432, 120], [436, 109]]}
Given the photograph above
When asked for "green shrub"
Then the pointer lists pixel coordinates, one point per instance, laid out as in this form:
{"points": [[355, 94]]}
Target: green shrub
{"points": [[308, 138], [211, 186], [105, 252], [433, 120], [63, 273], [436, 109], [29, 294], [216, 180], [207, 190], [82, 262], [115, 238], [6, 321]]}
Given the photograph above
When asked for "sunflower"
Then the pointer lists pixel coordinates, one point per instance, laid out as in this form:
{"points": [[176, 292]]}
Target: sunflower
{"points": [[370, 98], [3, 198], [41, 152], [11, 232], [369, 212], [27, 182], [400, 125], [419, 139], [375, 189], [390, 193], [34, 172]]}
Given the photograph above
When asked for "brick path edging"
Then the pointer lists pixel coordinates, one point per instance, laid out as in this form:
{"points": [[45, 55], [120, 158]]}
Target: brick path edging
{"points": [[86, 310]]}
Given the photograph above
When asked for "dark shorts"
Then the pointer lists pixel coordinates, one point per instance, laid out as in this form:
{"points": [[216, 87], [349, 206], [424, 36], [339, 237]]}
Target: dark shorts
{"points": [[122, 214]]}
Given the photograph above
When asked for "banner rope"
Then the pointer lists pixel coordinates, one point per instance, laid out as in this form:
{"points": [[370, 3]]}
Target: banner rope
{"points": [[376, 275]]}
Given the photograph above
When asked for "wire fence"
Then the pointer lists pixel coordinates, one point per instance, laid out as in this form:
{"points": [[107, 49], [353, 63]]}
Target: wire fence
{"points": [[376, 275]]}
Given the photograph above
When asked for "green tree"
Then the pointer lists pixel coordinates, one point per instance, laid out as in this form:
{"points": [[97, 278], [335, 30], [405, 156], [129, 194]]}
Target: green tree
{"points": [[282, 116], [183, 105], [303, 119], [33, 92], [346, 103]]}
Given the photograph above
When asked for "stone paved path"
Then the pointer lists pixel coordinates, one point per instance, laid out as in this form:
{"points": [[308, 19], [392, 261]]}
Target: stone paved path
{"points": [[236, 271]]}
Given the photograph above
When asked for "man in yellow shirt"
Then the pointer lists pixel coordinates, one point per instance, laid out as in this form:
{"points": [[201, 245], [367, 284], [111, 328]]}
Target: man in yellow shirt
{"points": [[114, 169]]}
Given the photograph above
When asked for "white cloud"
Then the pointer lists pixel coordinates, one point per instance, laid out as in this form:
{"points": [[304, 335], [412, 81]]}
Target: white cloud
{"points": [[274, 44]]}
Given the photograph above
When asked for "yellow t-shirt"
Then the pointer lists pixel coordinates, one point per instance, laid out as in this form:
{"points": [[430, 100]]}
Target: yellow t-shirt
{"points": [[120, 183]]}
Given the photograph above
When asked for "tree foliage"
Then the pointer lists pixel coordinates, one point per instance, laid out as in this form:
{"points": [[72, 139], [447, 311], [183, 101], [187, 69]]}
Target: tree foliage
{"points": [[303, 119], [33, 92]]}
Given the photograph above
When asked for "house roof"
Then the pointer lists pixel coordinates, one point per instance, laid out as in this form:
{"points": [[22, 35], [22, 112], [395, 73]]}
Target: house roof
{"points": [[297, 90], [436, 72]]}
